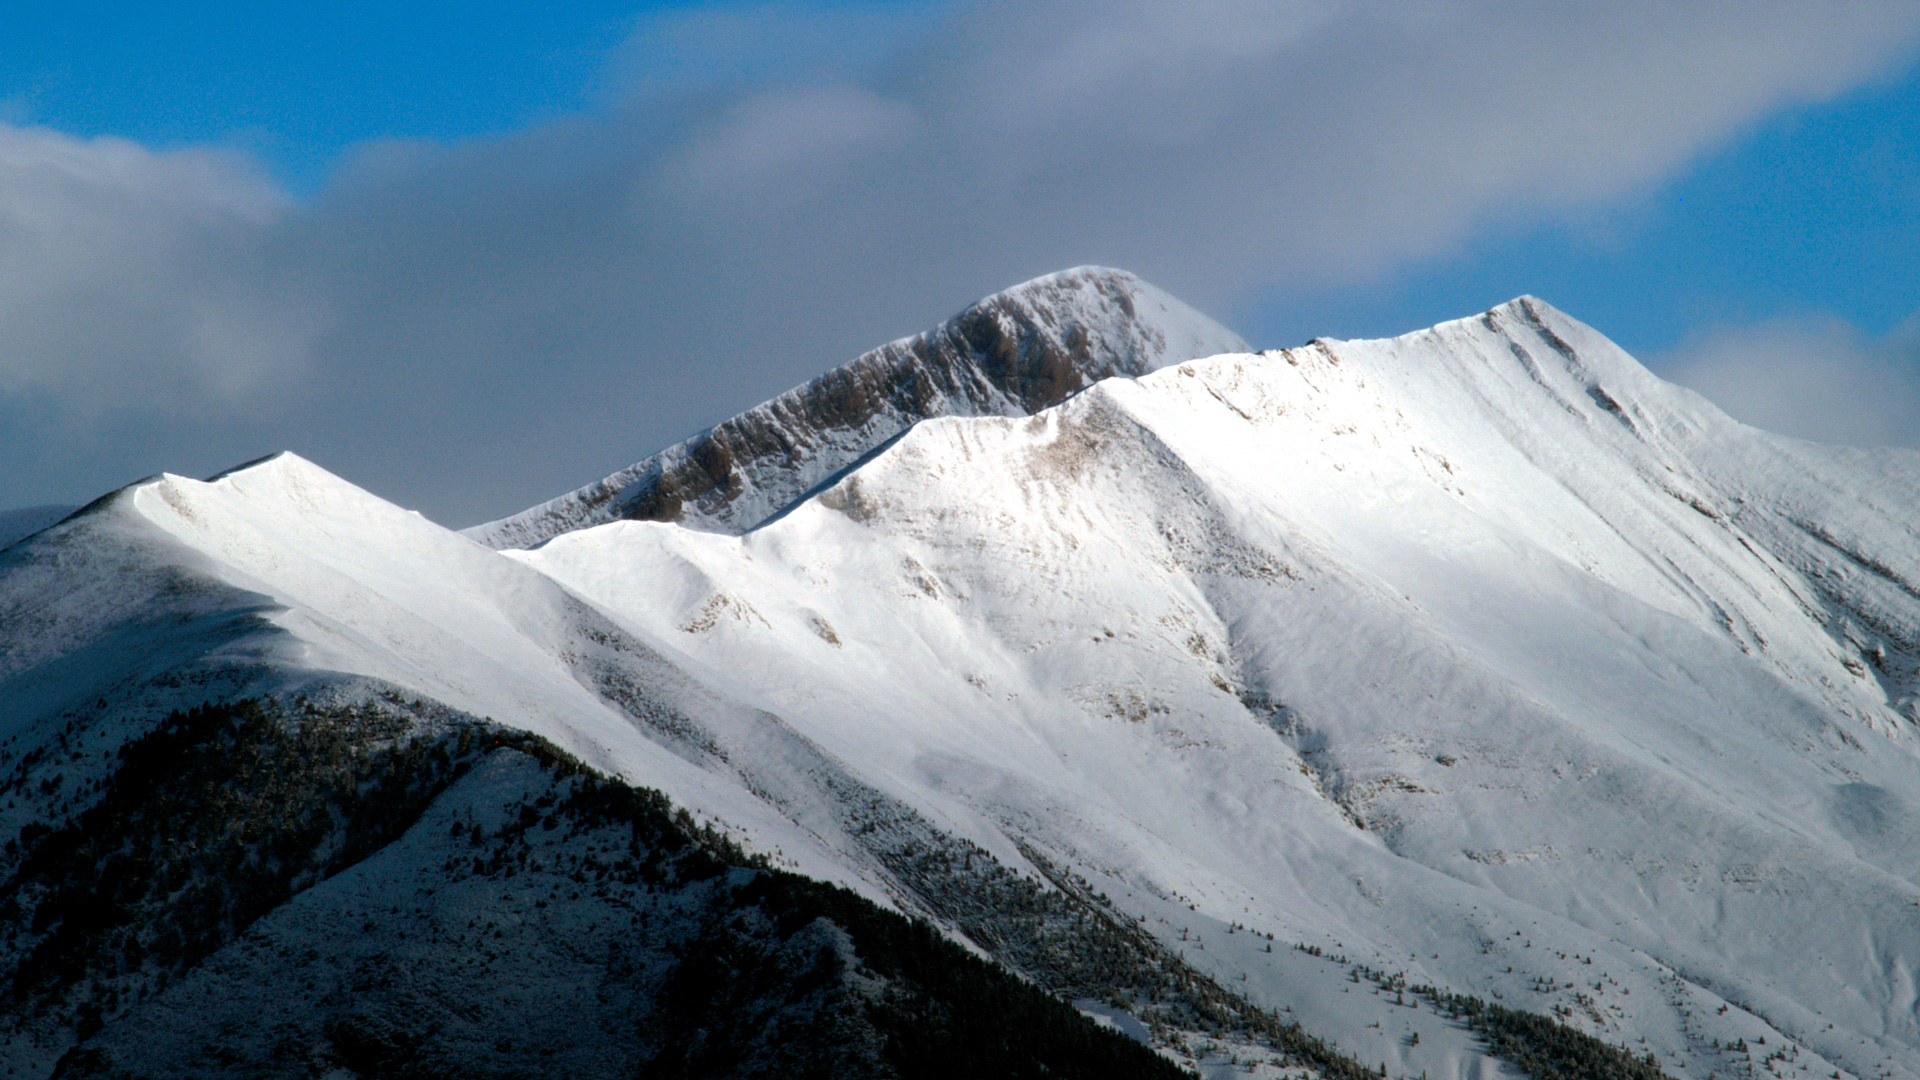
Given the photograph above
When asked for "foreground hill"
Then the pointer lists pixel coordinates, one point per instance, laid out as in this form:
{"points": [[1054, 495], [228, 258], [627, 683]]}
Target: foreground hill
{"points": [[1362, 702]]}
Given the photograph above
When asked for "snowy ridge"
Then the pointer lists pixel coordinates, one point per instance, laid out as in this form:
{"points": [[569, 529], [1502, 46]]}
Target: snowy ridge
{"points": [[1011, 354], [281, 578], [1479, 654], [1417, 643]]}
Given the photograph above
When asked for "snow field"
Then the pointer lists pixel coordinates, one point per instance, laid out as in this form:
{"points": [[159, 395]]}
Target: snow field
{"points": [[1478, 655]]}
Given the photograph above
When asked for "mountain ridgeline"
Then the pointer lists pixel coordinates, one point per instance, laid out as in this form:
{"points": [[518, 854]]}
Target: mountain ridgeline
{"points": [[1065, 691], [1011, 354]]}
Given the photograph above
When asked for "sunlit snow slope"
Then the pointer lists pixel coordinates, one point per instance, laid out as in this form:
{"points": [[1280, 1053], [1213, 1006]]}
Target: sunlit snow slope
{"points": [[280, 578], [1480, 653]]}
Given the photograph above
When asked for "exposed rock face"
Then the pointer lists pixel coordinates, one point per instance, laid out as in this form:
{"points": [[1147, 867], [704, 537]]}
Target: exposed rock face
{"points": [[1012, 354]]}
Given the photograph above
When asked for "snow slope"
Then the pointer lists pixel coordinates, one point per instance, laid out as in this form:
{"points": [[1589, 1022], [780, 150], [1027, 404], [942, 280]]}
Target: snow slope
{"points": [[1010, 354], [1479, 654], [280, 578], [1474, 654]]}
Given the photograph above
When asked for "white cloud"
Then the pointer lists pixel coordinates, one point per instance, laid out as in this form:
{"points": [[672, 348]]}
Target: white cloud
{"points": [[769, 142], [674, 50], [134, 279], [1812, 376]]}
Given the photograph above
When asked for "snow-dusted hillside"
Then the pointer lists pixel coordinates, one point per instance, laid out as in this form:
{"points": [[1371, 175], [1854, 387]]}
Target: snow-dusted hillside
{"points": [[1479, 656], [1474, 654], [1011, 354], [280, 578], [279, 581]]}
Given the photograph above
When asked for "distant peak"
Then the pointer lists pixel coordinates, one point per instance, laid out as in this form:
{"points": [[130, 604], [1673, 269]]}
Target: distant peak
{"points": [[1087, 271], [1018, 351], [1528, 308], [1074, 277], [255, 463], [1523, 299]]}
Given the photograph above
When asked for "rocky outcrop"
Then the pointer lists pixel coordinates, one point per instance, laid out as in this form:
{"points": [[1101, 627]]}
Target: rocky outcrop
{"points": [[1013, 353]]}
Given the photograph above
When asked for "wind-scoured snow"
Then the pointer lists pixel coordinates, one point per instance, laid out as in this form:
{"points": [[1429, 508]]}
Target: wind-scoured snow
{"points": [[1479, 655]]}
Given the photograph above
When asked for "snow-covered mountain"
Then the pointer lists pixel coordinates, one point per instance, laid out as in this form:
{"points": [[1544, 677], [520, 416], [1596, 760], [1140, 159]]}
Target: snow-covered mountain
{"points": [[1011, 354], [1479, 660]]}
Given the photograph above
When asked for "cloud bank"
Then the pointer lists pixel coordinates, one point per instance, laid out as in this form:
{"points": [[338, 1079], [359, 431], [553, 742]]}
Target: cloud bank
{"points": [[132, 278], [1813, 376], [471, 328]]}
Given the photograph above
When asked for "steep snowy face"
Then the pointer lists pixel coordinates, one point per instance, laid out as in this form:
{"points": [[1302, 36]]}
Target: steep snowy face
{"points": [[1011, 354], [1480, 654], [279, 578], [330, 578]]}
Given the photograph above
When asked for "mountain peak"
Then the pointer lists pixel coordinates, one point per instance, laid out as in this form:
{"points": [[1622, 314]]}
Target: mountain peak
{"points": [[278, 456], [1011, 354], [1475, 660]]}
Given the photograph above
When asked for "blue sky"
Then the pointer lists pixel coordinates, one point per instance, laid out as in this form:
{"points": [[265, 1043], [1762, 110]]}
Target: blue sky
{"points": [[471, 256], [299, 84], [1815, 208]]}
